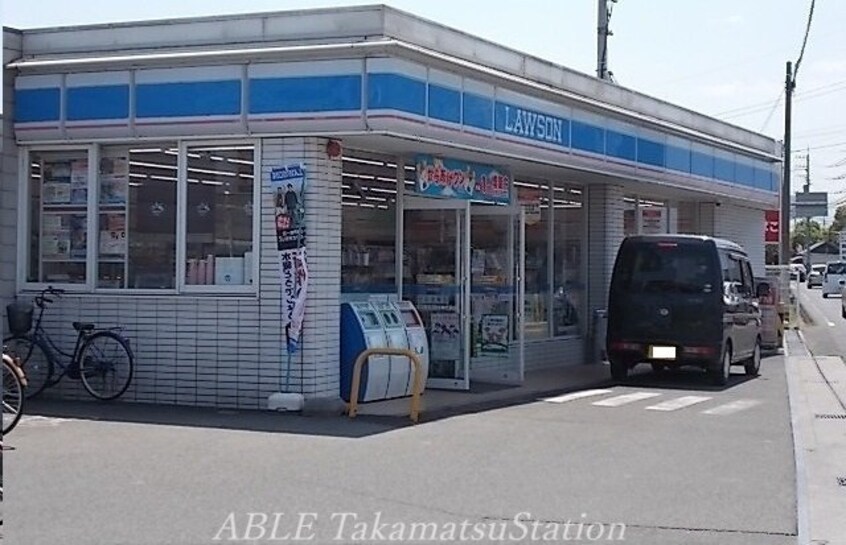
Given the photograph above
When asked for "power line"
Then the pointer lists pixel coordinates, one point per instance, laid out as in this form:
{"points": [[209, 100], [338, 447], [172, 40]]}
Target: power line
{"points": [[836, 144], [805, 39], [760, 106], [807, 95], [770, 115]]}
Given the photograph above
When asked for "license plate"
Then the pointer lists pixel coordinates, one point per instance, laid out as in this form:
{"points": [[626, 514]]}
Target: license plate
{"points": [[662, 352]]}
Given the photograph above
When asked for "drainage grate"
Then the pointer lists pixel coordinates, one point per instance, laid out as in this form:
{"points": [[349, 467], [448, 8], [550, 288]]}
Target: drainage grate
{"points": [[841, 481], [830, 416]]}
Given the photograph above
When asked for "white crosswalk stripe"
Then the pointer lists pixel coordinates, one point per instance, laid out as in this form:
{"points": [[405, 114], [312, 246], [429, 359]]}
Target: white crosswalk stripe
{"points": [[575, 395], [733, 407], [668, 405], [625, 399], [678, 403]]}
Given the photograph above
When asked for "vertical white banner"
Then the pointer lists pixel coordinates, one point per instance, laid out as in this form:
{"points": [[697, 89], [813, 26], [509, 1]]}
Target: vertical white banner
{"points": [[289, 183]]}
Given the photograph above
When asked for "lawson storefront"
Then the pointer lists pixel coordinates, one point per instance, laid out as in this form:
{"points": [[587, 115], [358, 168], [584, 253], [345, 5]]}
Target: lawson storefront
{"points": [[163, 173]]}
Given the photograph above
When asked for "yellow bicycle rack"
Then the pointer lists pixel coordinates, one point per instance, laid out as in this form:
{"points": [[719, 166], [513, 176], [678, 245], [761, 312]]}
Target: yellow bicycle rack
{"points": [[417, 368]]}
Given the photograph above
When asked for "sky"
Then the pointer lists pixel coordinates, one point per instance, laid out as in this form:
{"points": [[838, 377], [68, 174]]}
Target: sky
{"points": [[724, 58]]}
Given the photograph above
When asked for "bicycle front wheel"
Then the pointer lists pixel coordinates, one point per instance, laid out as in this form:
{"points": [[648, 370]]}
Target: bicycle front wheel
{"points": [[34, 362], [13, 398], [106, 365]]}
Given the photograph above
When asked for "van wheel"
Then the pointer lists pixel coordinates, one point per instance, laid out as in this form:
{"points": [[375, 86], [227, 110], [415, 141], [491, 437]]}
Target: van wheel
{"points": [[720, 375], [753, 364], [619, 370]]}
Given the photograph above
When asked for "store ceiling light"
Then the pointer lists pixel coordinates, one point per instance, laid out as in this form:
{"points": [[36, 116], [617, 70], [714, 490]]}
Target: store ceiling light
{"points": [[361, 161], [152, 165], [212, 172], [223, 148]]}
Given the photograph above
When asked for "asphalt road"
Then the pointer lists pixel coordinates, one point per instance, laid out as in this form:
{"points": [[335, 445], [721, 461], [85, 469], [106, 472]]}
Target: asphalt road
{"points": [[825, 332], [714, 467]]}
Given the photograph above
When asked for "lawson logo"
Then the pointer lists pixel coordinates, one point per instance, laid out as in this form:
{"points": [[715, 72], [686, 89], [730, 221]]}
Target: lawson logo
{"points": [[536, 126]]}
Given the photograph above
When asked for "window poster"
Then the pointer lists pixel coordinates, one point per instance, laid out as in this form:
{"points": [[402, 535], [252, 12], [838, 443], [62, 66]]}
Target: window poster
{"points": [[493, 334], [445, 335], [113, 234], [114, 180], [64, 236], [79, 182]]}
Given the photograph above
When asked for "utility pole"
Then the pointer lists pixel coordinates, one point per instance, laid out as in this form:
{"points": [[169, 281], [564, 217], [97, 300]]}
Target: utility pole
{"points": [[806, 188], [603, 18], [784, 223]]}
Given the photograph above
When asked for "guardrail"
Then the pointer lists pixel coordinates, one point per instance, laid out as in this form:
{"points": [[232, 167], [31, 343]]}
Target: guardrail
{"points": [[417, 368]]}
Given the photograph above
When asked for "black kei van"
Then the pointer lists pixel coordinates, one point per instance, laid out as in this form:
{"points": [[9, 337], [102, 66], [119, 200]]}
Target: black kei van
{"points": [[679, 300]]}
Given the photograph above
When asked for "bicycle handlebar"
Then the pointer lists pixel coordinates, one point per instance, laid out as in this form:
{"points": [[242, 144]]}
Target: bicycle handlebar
{"points": [[40, 300]]}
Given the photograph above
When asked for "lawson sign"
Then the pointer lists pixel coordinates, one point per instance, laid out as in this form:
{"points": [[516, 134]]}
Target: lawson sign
{"points": [[451, 178]]}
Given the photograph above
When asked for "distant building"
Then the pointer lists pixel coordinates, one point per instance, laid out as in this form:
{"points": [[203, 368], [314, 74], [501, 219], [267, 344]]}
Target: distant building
{"points": [[821, 253]]}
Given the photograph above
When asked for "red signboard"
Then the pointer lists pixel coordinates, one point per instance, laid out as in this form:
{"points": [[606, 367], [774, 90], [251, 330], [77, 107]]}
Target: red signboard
{"points": [[771, 233]]}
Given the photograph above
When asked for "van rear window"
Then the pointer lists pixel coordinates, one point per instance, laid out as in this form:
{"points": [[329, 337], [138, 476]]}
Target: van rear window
{"points": [[678, 268], [836, 268]]}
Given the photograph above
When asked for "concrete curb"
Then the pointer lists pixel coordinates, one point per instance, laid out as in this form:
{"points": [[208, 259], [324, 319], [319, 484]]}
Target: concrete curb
{"points": [[802, 515]]}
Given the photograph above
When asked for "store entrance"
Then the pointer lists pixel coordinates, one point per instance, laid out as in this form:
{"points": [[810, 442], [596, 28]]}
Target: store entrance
{"points": [[463, 268], [435, 278], [497, 293]]}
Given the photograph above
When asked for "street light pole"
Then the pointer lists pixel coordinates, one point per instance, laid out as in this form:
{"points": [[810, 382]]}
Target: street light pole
{"points": [[784, 220]]}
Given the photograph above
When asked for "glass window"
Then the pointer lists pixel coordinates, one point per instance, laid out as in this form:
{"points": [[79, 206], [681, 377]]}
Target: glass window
{"points": [[836, 268], [568, 288], [368, 227], [58, 220], [667, 268], [535, 200], [219, 215], [137, 217]]}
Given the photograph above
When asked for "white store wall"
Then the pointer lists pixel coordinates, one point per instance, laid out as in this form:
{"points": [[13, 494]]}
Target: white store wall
{"points": [[228, 351]]}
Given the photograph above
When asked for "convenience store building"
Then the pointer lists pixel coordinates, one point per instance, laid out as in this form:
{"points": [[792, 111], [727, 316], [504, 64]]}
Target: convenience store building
{"points": [[141, 168]]}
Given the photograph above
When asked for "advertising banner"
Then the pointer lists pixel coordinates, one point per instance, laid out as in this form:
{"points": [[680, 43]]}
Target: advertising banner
{"points": [[771, 232], [456, 179], [289, 183]]}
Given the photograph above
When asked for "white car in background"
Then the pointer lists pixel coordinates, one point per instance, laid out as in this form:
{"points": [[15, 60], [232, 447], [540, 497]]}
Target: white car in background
{"points": [[815, 276], [834, 278]]}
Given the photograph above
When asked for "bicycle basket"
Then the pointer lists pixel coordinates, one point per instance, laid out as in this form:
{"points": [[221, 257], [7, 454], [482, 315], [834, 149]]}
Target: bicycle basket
{"points": [[19, 316]]}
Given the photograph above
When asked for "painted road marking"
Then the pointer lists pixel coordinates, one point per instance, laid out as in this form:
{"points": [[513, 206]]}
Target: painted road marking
{"points": [[678, 403], [624, 399], [575, 395], [733, 407]]}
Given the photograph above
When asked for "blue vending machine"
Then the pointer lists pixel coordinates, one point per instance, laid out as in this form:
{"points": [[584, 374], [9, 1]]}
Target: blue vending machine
{"points": [[361, 329], [399, 380], [415, 332]]}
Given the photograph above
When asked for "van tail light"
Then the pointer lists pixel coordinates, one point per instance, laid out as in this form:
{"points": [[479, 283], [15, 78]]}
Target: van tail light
{"points": [[701, 351], [625, 346]]}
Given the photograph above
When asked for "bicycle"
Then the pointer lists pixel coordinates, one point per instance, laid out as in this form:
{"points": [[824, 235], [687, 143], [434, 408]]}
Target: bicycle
{"points": [[101, 357], [14, 383]]}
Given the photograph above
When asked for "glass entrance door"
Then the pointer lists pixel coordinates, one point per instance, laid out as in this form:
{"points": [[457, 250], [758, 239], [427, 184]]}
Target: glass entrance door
{"points": [[497, 272], [434, 278]]}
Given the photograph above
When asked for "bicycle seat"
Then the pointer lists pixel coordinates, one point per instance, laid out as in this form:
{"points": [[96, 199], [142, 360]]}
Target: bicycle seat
{"points": [[83, 326]]}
